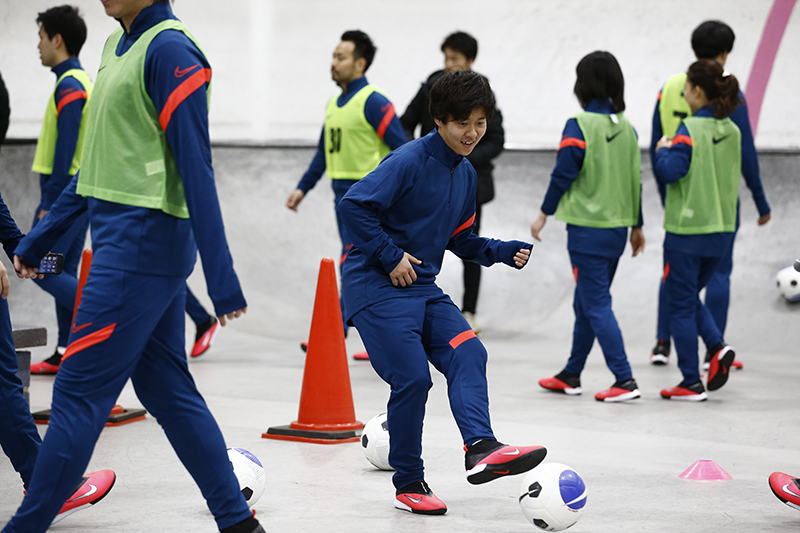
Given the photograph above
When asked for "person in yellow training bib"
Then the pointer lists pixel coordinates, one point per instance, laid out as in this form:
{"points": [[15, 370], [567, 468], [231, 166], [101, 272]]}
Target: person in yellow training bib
{"points": [[62, 33], [700, 167], [712, 40], [360, 129]]}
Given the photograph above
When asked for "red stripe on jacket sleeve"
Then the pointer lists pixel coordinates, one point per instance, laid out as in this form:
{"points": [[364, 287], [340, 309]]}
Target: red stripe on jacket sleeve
{"points": [[89, 340], [387, 119], [464, 226], [180, 94], [682, 139], [572, 141], [71, 97]]}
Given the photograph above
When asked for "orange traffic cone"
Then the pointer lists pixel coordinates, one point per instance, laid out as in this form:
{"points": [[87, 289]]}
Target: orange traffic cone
{"points": [[326, 413], [119, 415]]}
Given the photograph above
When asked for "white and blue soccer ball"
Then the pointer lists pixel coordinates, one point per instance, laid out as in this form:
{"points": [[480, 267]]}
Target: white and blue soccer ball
{"points": [[788, 281], [375, 442], [250, 473], [552, 496]]}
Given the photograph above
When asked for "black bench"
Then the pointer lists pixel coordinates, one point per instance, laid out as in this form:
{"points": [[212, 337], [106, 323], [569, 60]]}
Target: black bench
{"points": [[27, 337]]}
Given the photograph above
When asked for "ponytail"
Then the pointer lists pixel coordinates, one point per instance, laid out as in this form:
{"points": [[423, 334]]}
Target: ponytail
{"points": [[721, 88]]}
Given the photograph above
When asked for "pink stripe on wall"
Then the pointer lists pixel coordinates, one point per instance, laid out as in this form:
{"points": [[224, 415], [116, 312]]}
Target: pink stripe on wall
{"points": [[771, 37]]}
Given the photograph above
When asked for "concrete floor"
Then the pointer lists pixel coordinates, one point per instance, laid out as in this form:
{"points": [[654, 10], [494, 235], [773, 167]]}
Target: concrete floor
{"points": [[630, 455]]}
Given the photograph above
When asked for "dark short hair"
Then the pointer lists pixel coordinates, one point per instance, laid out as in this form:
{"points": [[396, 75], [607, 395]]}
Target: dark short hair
{"points": [[363, 45], [64, 20], [599, 76], [721, 88], [711, 38], [462, 42], [456, 94]]}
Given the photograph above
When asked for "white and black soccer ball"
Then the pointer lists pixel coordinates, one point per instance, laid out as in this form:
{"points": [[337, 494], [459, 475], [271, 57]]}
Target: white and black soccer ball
{"points": [[250, 473], [788, 280], [375, 442], [552, 496]]}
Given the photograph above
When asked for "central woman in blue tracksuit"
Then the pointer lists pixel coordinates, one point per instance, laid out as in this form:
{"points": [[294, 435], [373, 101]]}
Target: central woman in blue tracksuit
{"points": [[419, 202]]}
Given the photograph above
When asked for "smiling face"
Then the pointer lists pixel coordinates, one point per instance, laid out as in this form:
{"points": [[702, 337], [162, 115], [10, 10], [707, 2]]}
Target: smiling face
{"points": [[461, 136]]}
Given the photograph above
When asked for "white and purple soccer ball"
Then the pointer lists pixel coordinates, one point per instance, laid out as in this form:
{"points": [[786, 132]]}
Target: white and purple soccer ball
{"points": [[788, 280], [552, 496], [375, 442], [250, 473]]}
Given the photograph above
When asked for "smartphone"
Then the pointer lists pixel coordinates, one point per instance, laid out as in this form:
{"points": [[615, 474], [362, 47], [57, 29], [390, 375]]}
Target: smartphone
{"points": [[52, 264]]}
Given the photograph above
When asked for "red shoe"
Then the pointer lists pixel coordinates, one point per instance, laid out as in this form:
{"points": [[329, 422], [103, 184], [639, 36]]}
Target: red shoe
{"points": [[43, 367], [719, 368], [487, 460], [692, 393], [561, 382], [786, 488], [92, 488], [418, 498], [619, 392], [736, 365], [361, 356], [204, 339]]}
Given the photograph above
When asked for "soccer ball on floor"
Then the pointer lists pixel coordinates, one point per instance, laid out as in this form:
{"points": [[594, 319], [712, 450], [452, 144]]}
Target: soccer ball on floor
{"points": [[788, 281], [552, 496], [375, 442], [249, 472]]}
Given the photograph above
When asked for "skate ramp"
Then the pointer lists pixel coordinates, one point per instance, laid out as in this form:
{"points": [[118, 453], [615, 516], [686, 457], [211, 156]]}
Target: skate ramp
{"points": [[277, 251]]}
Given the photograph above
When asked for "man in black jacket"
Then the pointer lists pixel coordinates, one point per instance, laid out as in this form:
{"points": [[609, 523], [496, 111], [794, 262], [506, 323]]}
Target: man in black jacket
{"points": [[460, 50]]}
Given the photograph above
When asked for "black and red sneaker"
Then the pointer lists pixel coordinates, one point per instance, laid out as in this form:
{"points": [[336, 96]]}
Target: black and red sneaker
{"points": [[418, 498], [563, 382], [49, 365], [719, 367], [488, 459], [786, 488], [686, 393], [206, 334], [620, 391], [92, 488], [660, 354]]}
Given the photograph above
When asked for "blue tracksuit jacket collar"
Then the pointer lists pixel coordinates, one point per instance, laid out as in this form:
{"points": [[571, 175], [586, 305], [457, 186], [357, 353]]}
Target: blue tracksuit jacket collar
{"points": [[439, 149], [146, 19], [64, 66], [706, 111], [351, 89], [599, 106]]}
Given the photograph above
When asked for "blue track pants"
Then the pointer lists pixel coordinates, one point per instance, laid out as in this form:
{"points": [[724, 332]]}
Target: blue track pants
{"points": [[64, 286], [686, 276], [128, 326], [594, 317], [402, 335], [18, 435]]}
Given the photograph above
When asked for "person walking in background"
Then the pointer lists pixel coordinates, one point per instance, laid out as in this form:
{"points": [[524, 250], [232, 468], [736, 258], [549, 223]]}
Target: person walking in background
{"points": [[19, 437], [596, 189], [711, 40], [148, 185], [701, 167], [360, 129], [206, 325], [62, 33], [460, 50]]}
